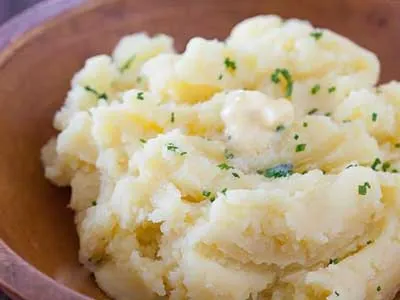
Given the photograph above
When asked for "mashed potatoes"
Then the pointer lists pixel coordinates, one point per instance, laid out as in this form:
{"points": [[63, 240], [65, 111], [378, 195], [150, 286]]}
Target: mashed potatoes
{"points": [[260, 167]]}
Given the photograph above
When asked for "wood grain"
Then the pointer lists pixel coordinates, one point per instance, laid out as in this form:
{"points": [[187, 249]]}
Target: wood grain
{"points": [[37, 61]]}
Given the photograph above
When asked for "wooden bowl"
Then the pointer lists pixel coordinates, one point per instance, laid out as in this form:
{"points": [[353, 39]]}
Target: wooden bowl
{"points": [[41, 49]]}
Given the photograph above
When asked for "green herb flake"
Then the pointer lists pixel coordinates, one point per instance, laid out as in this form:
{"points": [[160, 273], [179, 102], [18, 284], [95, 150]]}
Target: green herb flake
{"points": [[296, 136], [224, 191], [140, 96], [228, 154], [395, 171], [315, 89], [275, 78], [230, 64], [332, 89], [369, 242], [282, 170], [127, 64], [236, 175], [172, 147], [317, 34], [328, 114], [351, 166], [172, 117], [94, 203], [374, 116], [143, 141], [337, 294], [376, 162], [206, 193], [346, 121], [280, 128], [334, 261], [224, 166], [313, 111], [96, 93], [397, 145], [305, 124], [378, 288], [386, 165], [362, 189], [139, 79], [220, 76], [300, 147]]}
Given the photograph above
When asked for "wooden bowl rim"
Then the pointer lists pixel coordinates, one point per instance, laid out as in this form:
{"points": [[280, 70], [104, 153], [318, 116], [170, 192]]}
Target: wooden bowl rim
{"points": [[14, 35]]}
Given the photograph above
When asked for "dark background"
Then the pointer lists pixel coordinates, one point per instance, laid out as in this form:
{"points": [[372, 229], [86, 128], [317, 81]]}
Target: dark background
{"points": [[8, 8]]}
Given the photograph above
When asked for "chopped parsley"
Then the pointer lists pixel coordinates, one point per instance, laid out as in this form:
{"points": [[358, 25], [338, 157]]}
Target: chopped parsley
{"points": [[317, 34], [127, 64], [220, 76], [206, 194], [139, 96], [313, 111], [369, 242], [362, 189], [143, 141], [300, 147], [374, 116], [305, 124], [378, 288], [346, 121], [334, 261], [296, 136], [315, 89], [230, 64], [395, 171], [172, 117], [94, 203], [328, 114], [337, 294], [386, 165], [280, 128], [224, 191], [236, 175], [139, 79], [376, 162], [228, 155], [171, 147], [96, 93], [332, 89], [224, 166], [275, 77], [397, 145], [351, 166], [282, 170]]}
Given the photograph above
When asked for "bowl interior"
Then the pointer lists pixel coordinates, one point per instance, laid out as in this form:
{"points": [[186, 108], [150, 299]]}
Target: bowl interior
{"points": [[35, 76]]}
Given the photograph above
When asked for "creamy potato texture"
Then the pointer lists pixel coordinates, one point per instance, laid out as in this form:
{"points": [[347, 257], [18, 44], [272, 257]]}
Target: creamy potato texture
{"points": [[260, 167]]}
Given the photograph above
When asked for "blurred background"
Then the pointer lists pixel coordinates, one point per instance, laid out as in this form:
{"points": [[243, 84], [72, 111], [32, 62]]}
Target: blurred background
{"points": [[8, 8]]}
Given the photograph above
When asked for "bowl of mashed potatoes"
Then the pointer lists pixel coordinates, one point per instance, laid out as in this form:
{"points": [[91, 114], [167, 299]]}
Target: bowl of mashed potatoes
{"points": [[253, 154]]}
